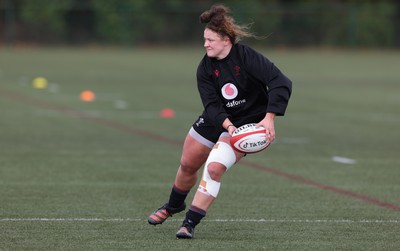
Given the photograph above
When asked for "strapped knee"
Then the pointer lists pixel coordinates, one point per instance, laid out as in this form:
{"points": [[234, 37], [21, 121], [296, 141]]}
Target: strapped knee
{"points": [[221, 153]]}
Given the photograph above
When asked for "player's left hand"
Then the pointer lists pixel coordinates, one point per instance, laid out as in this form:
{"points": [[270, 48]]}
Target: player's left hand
{"points": [[269, 125]]}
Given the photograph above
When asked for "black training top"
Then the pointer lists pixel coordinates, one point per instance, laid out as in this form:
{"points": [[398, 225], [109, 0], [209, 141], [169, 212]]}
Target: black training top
{"points": [[241, 86]]}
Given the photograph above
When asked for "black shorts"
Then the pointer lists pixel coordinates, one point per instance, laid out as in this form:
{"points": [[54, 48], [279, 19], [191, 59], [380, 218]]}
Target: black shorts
{"points": [[204, 131], [207, 130]]}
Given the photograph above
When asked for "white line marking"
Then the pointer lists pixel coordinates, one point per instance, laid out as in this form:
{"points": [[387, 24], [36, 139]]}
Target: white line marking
{"points": [[343, 160], [378, 221]]}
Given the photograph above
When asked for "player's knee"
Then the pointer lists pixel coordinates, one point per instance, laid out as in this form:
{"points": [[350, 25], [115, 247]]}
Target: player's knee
{"points": [[184, 163], [216, 170], [221, 158], [188, 166]]}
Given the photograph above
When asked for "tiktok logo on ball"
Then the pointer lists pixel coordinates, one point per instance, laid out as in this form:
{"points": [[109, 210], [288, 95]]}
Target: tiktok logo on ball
{"points": [[229, 91]]}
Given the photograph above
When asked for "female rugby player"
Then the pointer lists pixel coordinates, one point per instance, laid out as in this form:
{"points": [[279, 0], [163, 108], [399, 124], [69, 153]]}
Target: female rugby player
{"points": [[237, 85]]}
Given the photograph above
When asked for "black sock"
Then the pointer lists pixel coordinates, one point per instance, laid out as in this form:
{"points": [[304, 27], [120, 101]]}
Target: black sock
{"points": [[177, 197], [194, 215]]}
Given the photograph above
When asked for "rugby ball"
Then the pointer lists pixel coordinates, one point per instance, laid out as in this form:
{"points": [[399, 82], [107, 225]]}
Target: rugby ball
{"points": [[249, 139]]}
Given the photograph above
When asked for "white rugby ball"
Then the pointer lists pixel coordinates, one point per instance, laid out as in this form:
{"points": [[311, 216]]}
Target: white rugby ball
{"points": [[249, 139]]}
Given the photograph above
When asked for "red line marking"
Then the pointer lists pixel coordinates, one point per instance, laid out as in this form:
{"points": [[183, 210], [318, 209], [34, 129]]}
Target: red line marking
{"points": [[321, 186], [142, 133]]}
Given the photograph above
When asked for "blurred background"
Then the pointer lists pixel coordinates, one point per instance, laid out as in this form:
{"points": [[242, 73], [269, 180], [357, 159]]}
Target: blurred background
{"points": [[96, 97], [294, 23]]}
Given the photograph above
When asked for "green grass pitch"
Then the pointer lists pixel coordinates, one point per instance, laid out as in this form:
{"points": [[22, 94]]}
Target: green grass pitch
{"points": [[85, 175]]}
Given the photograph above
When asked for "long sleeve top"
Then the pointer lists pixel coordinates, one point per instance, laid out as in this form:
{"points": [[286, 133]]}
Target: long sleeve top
{"points": [[242, 86]]}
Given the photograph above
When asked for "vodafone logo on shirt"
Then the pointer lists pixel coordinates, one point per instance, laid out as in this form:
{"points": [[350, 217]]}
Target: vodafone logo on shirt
{"points": [[229, 91]]}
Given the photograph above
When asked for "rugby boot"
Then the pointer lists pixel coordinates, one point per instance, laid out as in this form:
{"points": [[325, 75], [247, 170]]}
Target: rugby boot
{"points": [[186, 231], [163, 213]]}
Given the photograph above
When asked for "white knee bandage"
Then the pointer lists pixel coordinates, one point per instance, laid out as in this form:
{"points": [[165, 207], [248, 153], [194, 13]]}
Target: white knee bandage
{"points": [[221, 153]]}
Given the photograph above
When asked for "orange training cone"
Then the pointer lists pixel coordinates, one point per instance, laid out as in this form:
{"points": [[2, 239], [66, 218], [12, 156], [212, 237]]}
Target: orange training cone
{"points": [[87, 96]]}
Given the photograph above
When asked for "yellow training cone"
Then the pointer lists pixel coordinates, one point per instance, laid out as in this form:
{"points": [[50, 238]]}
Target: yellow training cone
{"points": [[39, 83]]}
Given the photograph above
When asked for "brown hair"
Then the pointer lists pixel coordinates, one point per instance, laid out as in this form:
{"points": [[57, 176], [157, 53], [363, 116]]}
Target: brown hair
{"points": [[218, 19]]}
